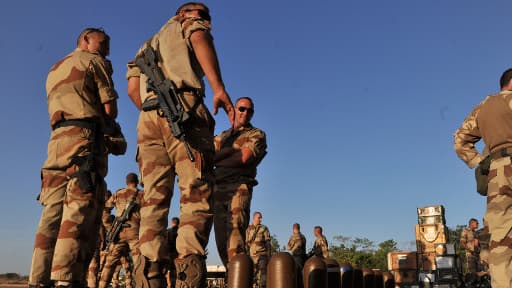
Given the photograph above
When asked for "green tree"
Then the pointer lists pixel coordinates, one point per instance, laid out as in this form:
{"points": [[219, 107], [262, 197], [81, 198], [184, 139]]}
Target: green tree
{"points": [[274, 243], [362, 252]]}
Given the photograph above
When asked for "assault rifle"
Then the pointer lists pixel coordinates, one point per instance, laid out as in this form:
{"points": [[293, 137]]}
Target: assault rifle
{"points": [[115, 229], [120, 222], [167, 95]]}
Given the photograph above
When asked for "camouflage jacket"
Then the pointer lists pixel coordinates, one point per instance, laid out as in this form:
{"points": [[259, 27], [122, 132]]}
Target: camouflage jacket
{"points": [[321, 248], [120, 201], [247, 137], [78, 86], [257, 240], [490, 120], [468, 238], [297, 244]]}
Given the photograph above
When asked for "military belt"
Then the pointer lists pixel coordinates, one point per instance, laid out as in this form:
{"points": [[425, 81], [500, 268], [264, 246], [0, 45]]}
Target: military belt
{"points": [[504, 152], [82, 123]]}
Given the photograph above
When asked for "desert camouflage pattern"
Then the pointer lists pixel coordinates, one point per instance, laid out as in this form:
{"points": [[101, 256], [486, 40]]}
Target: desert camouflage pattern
{"points": [[170, 275], [126, 265], [69, 213], [128, 242], [78, 86], [162, 157], [259, 246], [66, 235], [233, 190], [492, 121], [469, 240], [94, 267], [297, 244], [321, 247], [231, 219], [248, 137], [117, 253], [179, 63]]}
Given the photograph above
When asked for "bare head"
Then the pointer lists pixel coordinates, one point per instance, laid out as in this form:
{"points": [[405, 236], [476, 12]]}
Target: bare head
{"points": [[473, 224], [94, 40], [132, 179], [244, 110], [318, 231], [256, 218], [175, 222], [296, 228], [195, 10]]}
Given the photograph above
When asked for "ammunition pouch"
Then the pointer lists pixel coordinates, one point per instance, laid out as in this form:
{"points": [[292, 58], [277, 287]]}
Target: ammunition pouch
{"points": [[84, 174], [150, 104], [481, 175], [114, 139]]}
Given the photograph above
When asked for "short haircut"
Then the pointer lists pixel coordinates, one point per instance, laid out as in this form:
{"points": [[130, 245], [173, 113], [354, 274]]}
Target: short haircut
{"points": [[132, 178], [319, 228], [192, 4], [176, 219], [246, 98], [505, 78], [473, 220], [89, 30], [296, 225], [257, 213]]}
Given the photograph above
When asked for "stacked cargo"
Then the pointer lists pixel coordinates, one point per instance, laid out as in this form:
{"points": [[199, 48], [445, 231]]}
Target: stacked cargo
{"points": [[437, 259], [404, 267]]}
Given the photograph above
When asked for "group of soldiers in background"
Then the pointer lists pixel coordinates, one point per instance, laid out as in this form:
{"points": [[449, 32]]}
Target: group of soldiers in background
{"points": [[175, 138]]}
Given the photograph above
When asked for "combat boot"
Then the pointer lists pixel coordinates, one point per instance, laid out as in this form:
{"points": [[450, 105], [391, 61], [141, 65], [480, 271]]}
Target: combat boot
{"points": [[191, 271], [148, 274]]}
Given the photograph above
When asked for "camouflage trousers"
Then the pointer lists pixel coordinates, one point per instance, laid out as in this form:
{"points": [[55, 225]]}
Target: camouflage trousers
{"points": [[127, 267], [260, 270], [232, 204], [499, 218], [162, 157], [117, 254], [67, 231], [92, 274]]}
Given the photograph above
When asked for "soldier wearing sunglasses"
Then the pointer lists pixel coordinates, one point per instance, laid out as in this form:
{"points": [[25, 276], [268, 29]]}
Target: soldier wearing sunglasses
{"points": [[238, 151]]}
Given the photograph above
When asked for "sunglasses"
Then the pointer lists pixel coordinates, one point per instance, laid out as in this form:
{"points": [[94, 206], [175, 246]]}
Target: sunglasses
{"points": [[203, 14], [243, 109]]}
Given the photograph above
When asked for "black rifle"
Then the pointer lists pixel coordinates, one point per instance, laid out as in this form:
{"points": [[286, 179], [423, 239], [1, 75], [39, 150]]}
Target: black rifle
{"points": [[167, 95], [117, 225]]}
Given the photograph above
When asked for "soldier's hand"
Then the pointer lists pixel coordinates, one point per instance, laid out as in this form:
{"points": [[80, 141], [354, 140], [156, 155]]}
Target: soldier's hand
{"points": [[222, 99]]}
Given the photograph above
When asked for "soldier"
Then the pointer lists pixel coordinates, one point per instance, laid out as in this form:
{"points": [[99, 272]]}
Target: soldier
{"points": [[469, 240], [100, 254], [259, 246], [81, 104], [185, 47], [238, 151], [320, 248], [297, 245], [172, 234], [126, 265], [128, 239], [491, 120]]}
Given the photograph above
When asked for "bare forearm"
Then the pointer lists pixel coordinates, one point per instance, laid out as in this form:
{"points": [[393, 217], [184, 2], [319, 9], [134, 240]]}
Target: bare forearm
{"points": [[134, 91], [207, 57]]}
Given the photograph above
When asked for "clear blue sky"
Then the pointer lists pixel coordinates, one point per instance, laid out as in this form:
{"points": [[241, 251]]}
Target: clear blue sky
{"points": [[359, 100]]}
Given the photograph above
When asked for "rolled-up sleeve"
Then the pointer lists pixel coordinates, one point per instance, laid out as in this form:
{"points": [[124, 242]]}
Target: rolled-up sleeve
{"points": [[257, 143], [103, 78], [465, 138]]}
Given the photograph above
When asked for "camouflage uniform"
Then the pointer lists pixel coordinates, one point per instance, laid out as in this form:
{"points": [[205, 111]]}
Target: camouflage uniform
{"points": [[172, 235], [77, 87], [161, 157], [491, 120], [233, 190], [297, 247], [126, 264], [467, 240], [321, 248], [100, 254], [259, 246], [128, 242]]}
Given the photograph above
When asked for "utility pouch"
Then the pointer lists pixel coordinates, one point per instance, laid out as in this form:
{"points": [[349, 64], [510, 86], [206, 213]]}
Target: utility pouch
{"points": [[481, 175]]}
